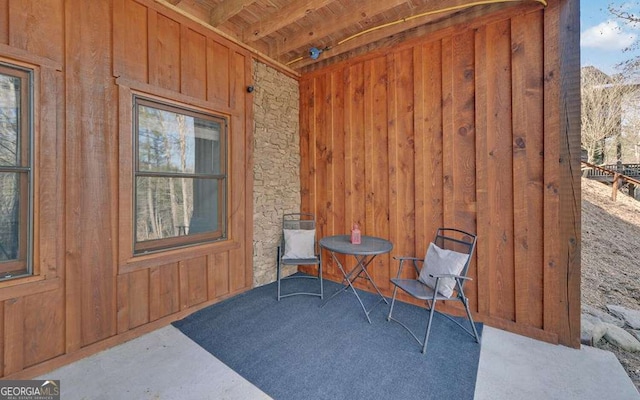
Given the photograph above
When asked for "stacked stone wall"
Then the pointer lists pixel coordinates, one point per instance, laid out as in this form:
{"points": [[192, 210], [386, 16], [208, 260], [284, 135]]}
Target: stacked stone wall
{"points": [[276, 170]]}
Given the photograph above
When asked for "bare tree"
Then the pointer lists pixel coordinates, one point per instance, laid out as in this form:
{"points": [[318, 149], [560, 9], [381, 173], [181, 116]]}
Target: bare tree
{"points": [[603, 100], [628, 12]]}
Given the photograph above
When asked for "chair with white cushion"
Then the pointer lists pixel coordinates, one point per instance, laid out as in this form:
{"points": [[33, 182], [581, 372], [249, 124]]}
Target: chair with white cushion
{"points": [[298, 246], [441, 278]]}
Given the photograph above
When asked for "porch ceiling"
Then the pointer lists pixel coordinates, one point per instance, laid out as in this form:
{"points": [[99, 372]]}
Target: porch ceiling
{"points": [[287, 30]]}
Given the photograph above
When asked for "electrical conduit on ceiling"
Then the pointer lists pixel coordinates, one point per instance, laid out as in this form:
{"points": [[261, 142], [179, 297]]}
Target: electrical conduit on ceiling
{"points": [[315, 52]]}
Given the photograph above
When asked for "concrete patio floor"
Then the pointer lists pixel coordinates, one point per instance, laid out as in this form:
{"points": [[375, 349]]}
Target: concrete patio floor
{"points": [[165, 364]]}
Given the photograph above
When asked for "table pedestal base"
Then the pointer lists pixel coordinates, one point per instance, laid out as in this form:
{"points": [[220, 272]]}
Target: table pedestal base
{"points": [[357, 272]]}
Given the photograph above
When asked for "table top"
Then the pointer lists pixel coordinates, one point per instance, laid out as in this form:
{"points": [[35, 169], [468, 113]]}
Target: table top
{"points": [[370, 245]]}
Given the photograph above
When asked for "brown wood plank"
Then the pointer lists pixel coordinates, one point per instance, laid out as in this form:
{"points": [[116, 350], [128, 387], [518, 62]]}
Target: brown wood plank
{"points": [[354, 151], [400, 218], [432, 152], [14, 333], [130, 40], [458, 143], [49, 201], [486, 273], [193, 69], [306, 161], [375, 124], [217, 71], [152, 47], [246, 109], [3, 340], [499, 142], [421, 200], [323, 151], [154, 293], [528, 112], [183, 278], [4, 23], [91, 162], [227, 9], [561, 189], [138, 298], [464, 132], [240, 275], [168, 290], [283, 16], [27, 17], [197, 277], [448, 113], [337, 220], [211, 277], [359, 10], [376, 171], [165, 50], [221, 274], [43, 327], [464, 137], [122, 303], [125, 175]]}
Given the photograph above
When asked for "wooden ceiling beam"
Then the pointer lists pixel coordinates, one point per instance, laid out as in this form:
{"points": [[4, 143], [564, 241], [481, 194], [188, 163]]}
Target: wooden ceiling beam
{"points": [[394, 34], [362, 10], [227, 9], [283, 17]]}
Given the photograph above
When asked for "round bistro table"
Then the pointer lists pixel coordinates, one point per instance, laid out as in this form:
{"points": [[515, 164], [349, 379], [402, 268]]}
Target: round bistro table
{"points": [[364, 253]]}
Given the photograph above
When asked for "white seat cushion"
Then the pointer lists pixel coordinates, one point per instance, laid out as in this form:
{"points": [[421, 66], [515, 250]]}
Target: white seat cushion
{"points": [[299, 244], [439, 261]]}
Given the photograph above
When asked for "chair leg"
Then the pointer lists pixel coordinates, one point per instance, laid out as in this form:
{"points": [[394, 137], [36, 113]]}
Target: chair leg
{"points": [[426, 335], [393, 301], [320, 274], [473, 326], [278, 278]]}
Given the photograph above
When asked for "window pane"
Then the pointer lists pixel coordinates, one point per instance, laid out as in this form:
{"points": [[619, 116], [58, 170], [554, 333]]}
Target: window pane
{"points": [[170, 207], [9, 120], [11, 210], [179, 143]]}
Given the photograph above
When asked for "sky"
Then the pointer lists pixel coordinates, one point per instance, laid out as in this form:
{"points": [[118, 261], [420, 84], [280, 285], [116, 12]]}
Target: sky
{"points": [[603, 36]]}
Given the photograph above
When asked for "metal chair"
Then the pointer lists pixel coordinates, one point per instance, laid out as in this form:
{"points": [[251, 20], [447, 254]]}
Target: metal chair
{"points": [[298, 246], [444, 272]]}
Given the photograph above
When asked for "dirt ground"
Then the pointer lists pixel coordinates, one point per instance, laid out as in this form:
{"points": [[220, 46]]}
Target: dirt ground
{"points": [[611, 258]]}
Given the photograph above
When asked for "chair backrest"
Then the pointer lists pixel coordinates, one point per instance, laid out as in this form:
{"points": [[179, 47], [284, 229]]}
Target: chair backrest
{"points": [[305, 221], [456, 240], [298, 239]]}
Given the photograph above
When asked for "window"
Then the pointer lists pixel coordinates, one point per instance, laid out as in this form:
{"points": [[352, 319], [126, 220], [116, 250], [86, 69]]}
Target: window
{"points": [[16, 176], [179, 176]]}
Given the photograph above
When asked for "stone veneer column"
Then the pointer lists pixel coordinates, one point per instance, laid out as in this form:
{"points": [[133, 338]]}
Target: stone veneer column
{"points": [[276, 170]]}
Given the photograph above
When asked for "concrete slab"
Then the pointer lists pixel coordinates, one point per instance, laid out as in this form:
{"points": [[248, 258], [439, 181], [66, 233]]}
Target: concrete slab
{"points": [[164, 364], [517, 367]]}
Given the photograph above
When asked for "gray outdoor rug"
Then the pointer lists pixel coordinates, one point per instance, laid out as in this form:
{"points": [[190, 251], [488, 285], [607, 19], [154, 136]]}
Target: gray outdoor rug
{"points": [[293, 349]]}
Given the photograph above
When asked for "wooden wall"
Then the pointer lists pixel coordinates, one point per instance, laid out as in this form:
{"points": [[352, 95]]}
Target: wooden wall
{"points": [[473, 127], [88, 292]]}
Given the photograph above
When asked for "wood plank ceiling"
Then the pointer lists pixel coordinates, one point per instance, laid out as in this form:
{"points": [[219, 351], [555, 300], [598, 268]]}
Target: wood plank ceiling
{"points": [[287, 30]]}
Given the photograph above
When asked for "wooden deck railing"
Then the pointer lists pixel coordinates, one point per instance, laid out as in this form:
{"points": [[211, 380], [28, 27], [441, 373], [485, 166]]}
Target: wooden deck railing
{"points": [[617, 174]]}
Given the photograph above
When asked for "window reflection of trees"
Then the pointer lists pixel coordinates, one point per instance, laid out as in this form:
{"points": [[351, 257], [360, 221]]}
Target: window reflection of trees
{"points": [[180, 174], [9, 159]]}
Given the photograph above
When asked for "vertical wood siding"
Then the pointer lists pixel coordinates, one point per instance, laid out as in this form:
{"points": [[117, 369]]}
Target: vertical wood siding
{"points": [[451, 131], [89, 293]]}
